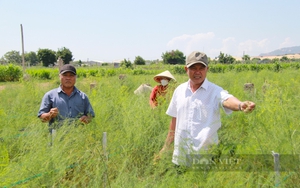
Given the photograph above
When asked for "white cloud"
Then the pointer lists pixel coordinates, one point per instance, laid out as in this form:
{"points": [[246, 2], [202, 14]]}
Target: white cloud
{"points": [[212, 45], [188, 43], [229, 46], [252, 47], [287, 43]]}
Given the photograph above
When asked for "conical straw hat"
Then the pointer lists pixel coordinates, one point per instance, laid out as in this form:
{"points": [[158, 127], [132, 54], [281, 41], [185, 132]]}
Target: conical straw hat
{"points": [[166, 74]]}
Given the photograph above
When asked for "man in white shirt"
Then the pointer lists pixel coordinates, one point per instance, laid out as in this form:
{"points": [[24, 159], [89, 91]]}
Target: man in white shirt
{"points": [[195, 110]]}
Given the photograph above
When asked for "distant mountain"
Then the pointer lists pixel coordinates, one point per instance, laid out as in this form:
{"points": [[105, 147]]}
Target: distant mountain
{"points": [[283, 51]]}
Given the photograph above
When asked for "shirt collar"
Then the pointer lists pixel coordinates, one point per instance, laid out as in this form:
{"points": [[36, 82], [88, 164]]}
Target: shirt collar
{"points": [[59, 89], [204, 84]]}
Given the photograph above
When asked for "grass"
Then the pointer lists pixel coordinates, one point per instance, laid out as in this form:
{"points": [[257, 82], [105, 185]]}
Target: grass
{"points": [[135, 133]]}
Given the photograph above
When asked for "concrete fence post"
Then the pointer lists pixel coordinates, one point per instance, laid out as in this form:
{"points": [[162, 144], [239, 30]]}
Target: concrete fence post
{"points": [[276, 168], [104, 146]]}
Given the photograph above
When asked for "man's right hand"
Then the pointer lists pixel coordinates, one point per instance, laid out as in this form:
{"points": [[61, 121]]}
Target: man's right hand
{"points": [[48, 116], [53, 112]]}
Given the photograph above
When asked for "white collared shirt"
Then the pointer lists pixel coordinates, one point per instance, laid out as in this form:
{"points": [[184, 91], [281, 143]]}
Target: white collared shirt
{"points": [[197, 117]]}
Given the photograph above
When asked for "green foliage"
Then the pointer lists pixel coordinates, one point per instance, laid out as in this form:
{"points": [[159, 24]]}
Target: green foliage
{"points": [[65, 54], [266, 61], [256, 60], [111, 72], [31, 58], [139, 72], [173, 57], [284, 59], [275, 60], [178, 69], [139, 61], [126, 64], [241, 67], [225, 59], [135, 133], [256, 67], [47, 57], [10, 73], [295, 65], [277, 67], [43, 74], [13, 57], [246, 57], [50, 73], [93, 72], [82, 73], [217, 68]]}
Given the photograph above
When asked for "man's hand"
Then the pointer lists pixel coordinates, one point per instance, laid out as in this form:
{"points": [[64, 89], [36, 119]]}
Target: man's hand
{"points": [[51, 114], [164, 150], [85, 119], [247, 106]]}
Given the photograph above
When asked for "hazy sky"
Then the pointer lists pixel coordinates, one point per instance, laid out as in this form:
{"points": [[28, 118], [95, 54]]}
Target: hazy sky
{"points": [[109, 30]]}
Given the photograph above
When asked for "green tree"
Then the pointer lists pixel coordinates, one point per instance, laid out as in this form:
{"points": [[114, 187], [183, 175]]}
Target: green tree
{"points": [[79, 62], [246, 57], [65, 54], [284, 59], [256, 59], [47, 57], [31, 58], [126, 64], [275, 60], [2, 61], [13, 57], [173, 57], [266, 60], [139, 61], [226, 59]]}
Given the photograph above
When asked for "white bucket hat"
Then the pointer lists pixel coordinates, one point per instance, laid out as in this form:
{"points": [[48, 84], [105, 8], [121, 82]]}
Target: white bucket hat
{"points": [[165, 74]]}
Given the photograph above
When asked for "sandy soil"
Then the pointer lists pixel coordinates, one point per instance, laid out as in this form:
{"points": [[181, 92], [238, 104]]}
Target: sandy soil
{"points": [[293, 56], [290, 56]]}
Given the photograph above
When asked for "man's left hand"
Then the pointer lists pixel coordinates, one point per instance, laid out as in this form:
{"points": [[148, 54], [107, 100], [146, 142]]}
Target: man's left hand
{"points": [[85, 119]]}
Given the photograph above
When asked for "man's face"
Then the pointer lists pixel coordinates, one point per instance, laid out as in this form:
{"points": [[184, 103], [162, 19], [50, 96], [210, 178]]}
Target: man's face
{"points": [[67, 79], [197, 73]]}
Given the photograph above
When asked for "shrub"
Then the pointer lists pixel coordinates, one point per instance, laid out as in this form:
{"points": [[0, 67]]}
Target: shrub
{"points": [[178, 69], [10, 72]]}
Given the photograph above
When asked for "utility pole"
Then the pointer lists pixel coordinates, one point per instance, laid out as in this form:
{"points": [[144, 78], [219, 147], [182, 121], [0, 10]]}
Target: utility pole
{"points": [[23, 59]]}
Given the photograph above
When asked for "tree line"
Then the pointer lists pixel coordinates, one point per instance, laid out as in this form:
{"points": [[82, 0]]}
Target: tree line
{"points": [[44, 57], [47, 57]]}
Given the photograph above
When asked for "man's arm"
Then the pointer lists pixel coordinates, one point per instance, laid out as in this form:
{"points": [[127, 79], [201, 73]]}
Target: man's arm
{"points": [[235, 104], [170, 136]]}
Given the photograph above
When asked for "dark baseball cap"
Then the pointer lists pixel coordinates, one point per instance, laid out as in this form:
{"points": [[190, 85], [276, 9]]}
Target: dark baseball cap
{"points": [[196, 57], [67, 68]]}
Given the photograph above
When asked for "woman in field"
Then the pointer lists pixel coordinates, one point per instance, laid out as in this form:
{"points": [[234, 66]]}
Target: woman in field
{"points": [[160, 90]]}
